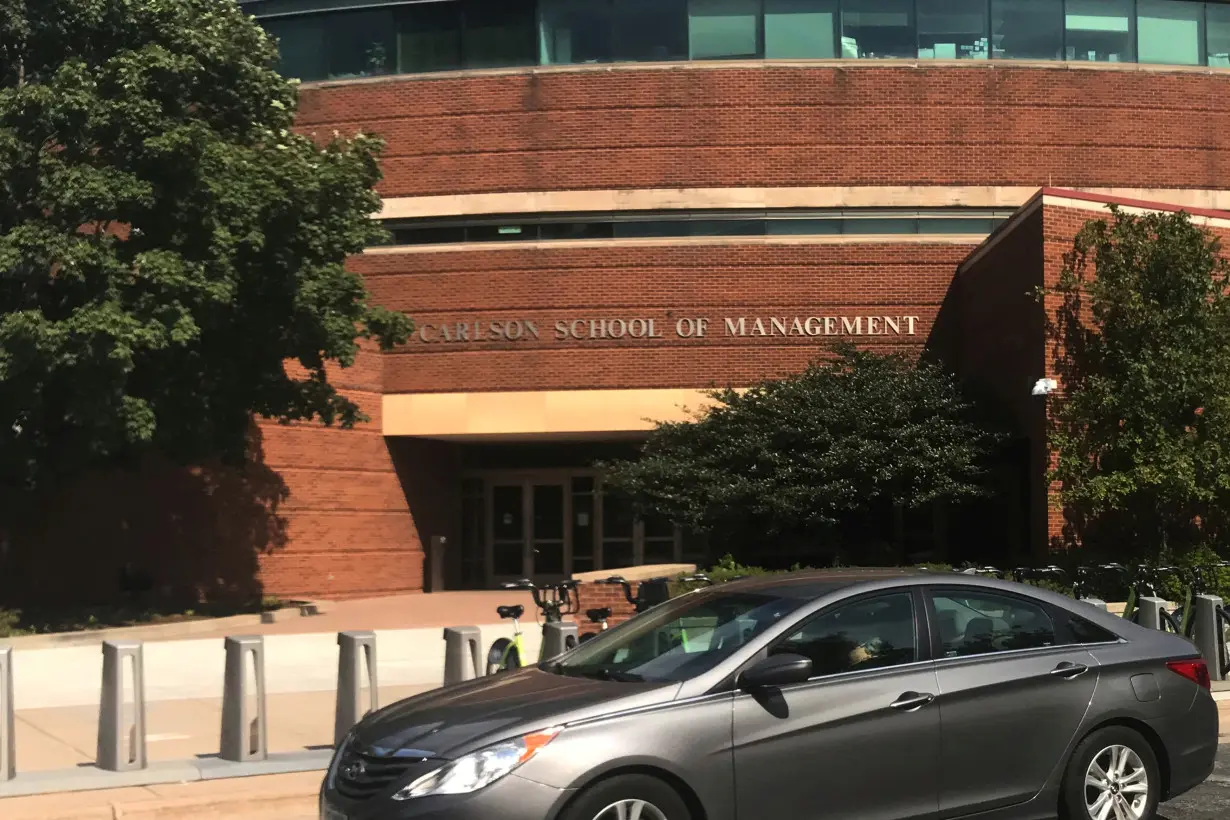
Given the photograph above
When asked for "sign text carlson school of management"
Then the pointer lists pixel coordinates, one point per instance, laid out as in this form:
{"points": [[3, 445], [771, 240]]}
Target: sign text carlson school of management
{"points": [[512, 330]]}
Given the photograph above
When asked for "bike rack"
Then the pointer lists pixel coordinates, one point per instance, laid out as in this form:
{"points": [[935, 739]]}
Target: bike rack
{"points": [[121, 726], [555, 638], [458, 640], [356, 653], [8, 737], [1152, 612], [1207, 633], [244, 730]]}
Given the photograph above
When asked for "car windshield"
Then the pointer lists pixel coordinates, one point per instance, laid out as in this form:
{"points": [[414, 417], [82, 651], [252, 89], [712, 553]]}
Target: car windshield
{"points": [[677, 640]]}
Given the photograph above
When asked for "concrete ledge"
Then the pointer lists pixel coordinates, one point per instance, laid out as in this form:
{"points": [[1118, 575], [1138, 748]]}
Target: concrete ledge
{"points": [[91, 778], [636, 573]]}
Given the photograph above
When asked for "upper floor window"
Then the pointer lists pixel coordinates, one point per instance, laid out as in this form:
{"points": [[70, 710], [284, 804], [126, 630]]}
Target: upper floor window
{"points": [[407, 36]]}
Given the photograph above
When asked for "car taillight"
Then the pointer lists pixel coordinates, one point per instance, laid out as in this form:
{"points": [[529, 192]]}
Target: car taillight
{"points": [[1195, 670]]}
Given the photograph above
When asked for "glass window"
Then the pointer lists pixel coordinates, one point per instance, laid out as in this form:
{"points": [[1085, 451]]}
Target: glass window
{"points": [[1218, 34], [651, 30], [499, 33], [878, 28], [956, 225], [724, 227], [1027, 29], [976, 623], [618, 522], [802, 227], [952, 29], [429, 37], [722, 28], [576, 230], [867, 634], [678, 640], [301, 46], [1100, 31], [582, 530], [575, 31], [879, 225], [637, 230], [800, 29], [357, 43], [1169, 32], [1084, 632], [501, 233]]}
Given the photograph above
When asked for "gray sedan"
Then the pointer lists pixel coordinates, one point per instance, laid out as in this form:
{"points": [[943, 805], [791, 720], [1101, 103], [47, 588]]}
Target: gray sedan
{"points": [[866, 694]]}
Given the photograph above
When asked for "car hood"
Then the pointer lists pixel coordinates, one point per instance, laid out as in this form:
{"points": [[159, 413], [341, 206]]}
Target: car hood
{"points": [[457, 719]]}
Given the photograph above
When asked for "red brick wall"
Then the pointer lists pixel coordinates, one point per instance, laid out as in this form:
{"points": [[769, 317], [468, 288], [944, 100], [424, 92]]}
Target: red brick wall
{"points": [[697, 125], [665, 282], [596, 596]]}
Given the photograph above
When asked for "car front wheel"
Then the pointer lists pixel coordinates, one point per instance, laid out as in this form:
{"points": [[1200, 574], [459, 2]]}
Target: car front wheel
{"points": [[628, 797], [1113, 775]]}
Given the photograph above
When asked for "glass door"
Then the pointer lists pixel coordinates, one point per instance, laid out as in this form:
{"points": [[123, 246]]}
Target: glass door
{"points": [[549, 554], [508, 554]]}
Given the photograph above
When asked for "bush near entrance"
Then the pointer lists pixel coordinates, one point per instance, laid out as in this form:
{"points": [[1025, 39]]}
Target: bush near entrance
{"points": [[813, 461], [1140, 327]]}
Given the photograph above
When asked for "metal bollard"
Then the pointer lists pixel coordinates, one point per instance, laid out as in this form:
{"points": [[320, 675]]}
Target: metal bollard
{"points": [[121, 736], [8, 737], [1098, 602], [1207, 632], [555, 638], [355, 650], [1150, 610], [458, 640], [243, 734]]}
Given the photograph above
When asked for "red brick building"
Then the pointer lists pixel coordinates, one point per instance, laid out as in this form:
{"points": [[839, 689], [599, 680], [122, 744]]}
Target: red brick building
{"points": [[599, 209]]}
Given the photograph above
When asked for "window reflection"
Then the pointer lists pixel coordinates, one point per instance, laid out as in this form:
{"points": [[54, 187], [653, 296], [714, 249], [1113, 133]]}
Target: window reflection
{"points": [[1099, 31], [1027, 29], [878, 28], [651, 30], [1219, 34], [576, 31], [953, 29], [800, 29], [722, 28], [1169, 32]]}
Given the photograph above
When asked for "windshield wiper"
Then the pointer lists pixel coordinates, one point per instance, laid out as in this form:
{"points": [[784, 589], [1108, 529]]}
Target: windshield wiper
{"points": [[597, 673]]}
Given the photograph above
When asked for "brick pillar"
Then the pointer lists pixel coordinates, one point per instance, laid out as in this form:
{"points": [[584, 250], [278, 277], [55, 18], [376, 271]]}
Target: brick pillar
{"points": [[596, 596]]}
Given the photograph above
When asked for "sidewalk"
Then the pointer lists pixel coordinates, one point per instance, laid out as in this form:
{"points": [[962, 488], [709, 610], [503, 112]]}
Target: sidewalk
{"points": [[275, 797]]}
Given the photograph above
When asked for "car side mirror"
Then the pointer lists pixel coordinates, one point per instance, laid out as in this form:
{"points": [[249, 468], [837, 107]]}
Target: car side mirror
{"points": [[776, 670]]}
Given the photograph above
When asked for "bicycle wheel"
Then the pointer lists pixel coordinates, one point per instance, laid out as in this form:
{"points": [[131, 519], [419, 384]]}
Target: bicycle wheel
{"points": [[502, 656]]}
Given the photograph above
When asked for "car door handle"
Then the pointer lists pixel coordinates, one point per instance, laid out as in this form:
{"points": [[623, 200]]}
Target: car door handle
{"points": [[1068, 670], [911, 701]]}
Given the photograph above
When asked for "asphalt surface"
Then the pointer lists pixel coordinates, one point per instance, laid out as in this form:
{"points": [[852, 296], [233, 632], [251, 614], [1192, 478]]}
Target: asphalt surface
{"points": [[1210, 801]]}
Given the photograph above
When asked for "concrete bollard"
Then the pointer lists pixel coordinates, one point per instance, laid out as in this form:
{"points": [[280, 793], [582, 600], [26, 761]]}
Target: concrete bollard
{"points": [[556, 638], [1098, 602], [8, 736], [121, 725], [356, 652], [1150, 610], [1207, 632], [243, 733], [460, 641]]}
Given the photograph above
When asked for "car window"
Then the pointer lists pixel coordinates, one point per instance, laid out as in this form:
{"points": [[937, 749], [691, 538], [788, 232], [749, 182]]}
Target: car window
{"points": [[1084, 632], [870, 633], [678, 640], [977, 623]]}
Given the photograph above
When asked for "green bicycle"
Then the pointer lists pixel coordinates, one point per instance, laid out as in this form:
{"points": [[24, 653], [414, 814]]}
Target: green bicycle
{"points": [[554, 601]]}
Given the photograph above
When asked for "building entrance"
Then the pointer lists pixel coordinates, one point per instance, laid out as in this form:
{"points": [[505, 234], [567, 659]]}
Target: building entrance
{"points": [[551, 524]]}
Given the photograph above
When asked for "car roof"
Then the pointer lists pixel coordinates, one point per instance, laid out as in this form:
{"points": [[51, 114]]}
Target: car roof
{"points": [[815, 583]]}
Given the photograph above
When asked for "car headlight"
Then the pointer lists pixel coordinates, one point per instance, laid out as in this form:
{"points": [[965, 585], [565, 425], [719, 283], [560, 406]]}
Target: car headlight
{"points": [[478, 769]]}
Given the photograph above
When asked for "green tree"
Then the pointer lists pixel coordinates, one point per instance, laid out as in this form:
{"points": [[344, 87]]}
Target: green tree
{"points": [[798, 458], [1140, 326], [168, 243]]}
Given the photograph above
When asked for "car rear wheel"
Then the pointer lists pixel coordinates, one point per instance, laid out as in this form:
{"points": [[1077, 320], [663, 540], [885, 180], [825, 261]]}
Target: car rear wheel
{"points": [[1113, 775], [628, 797]]}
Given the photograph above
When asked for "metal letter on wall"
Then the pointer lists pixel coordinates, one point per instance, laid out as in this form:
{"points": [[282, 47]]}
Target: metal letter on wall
{"points": [[121, 725], [462, 655], [244, 724], [355, 649], [8, 738]]}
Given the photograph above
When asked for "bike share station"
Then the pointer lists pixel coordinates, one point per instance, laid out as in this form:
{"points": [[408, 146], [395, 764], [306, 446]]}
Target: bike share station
{"points": [[243, 737]]}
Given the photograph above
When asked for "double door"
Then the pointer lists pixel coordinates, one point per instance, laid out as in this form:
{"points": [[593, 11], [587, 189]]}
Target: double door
{"points": [[529, 537]]}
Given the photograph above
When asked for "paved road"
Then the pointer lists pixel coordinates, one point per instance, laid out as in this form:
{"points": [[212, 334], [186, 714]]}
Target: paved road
{"points": [[1209, 802]]}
